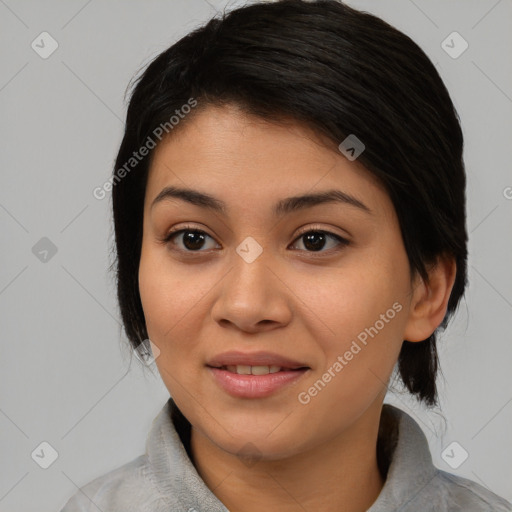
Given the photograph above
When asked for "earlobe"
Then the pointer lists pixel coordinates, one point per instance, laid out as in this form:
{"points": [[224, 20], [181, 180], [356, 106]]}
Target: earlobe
{"points": [[430, 299]]}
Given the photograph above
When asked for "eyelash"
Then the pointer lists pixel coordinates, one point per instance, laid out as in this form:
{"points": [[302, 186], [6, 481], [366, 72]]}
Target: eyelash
{"points": [[343, 242]]}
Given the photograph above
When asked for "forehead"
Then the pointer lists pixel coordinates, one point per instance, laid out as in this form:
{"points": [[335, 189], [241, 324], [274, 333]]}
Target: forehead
{"points": [[225, 152]]}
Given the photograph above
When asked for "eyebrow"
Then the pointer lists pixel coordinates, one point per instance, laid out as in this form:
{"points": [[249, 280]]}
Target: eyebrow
{"points": [[282, 207]]}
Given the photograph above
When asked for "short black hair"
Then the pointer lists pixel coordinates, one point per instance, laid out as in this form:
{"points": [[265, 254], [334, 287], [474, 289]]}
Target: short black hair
{"points": [[341, 72]]}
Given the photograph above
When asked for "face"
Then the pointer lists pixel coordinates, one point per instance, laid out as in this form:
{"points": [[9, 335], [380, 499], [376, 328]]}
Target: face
{"points": [[317, 292]]}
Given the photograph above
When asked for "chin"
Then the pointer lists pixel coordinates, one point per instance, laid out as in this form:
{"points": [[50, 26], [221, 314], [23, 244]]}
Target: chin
{"points": [[252, 449], [262, 440]]}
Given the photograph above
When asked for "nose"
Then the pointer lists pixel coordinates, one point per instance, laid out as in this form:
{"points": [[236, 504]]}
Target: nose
{"points": [[253, 296]]}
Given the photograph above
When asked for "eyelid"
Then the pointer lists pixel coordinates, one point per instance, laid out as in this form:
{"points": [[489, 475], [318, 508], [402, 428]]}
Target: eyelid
{"points": [[187, 227], [343, 240], [301, 231], [323, 229]]}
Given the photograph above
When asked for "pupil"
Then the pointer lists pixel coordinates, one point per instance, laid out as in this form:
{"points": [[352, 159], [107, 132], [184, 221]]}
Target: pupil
{"points": [[194, 240], [316, 241], [190, 243]]}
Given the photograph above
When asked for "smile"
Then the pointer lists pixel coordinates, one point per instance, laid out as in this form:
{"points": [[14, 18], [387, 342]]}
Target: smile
{"points": [[254, 381], [254, 370], [255, 374]]}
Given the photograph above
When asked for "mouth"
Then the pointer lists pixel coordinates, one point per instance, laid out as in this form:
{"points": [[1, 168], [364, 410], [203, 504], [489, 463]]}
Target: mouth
{"points": [[255, 375], [241, 362], [242, 369]]}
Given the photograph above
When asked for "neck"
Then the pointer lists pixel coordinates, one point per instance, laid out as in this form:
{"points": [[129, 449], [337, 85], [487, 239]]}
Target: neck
{"points": [[341, 474]]}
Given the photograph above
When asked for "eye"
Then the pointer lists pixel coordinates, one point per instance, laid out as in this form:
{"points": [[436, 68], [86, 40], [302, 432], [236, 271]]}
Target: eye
{"points": [[191, 238], [314, 240]]}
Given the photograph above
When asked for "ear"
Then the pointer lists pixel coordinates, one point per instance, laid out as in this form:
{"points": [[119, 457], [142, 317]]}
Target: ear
{"points": [[430, 299]]}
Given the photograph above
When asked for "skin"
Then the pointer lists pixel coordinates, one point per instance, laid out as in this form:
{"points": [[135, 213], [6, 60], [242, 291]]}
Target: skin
{"points": [[291, 300]]}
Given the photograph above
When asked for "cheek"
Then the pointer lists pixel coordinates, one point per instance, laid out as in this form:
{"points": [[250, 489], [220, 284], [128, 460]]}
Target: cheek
{"points": [[364, 307], [175, 301], [353, 298], [163, 290]]}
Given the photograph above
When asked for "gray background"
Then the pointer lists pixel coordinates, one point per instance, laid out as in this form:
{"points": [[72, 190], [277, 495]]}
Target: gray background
{"points": [[66, 374]]}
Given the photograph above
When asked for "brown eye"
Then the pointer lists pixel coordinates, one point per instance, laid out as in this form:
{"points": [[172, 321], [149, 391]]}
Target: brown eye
{"points": [[191, 239], [316, 240]]}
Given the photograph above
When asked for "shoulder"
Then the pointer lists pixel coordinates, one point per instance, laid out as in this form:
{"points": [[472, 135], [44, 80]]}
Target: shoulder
{"points": [[127, 488], [455, 493], [413, 482]]}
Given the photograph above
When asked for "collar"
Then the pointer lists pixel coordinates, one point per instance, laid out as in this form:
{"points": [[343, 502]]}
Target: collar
{"points": [[410, 461], [403, 453]]}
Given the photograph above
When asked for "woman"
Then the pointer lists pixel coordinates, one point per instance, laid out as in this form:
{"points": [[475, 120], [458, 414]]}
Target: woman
{"points": [[289, 208]]}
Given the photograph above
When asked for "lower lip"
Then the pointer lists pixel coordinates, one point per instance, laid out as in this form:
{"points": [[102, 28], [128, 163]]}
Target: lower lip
{"points": [[255, 386]]}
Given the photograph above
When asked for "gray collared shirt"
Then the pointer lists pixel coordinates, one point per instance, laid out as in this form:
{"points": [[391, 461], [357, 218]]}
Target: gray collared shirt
{"points": [[165, 480]]}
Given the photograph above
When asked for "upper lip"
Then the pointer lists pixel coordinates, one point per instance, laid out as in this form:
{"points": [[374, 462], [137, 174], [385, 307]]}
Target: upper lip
{"points": [[236, 358]]}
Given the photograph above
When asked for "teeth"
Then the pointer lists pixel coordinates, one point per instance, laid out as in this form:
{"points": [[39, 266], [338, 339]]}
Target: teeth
{"points": [[252, 370], [260, 370]]}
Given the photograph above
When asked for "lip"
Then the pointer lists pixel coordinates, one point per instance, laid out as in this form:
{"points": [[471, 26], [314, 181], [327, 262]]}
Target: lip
{"points": [[254, 386], [235, 358]]}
